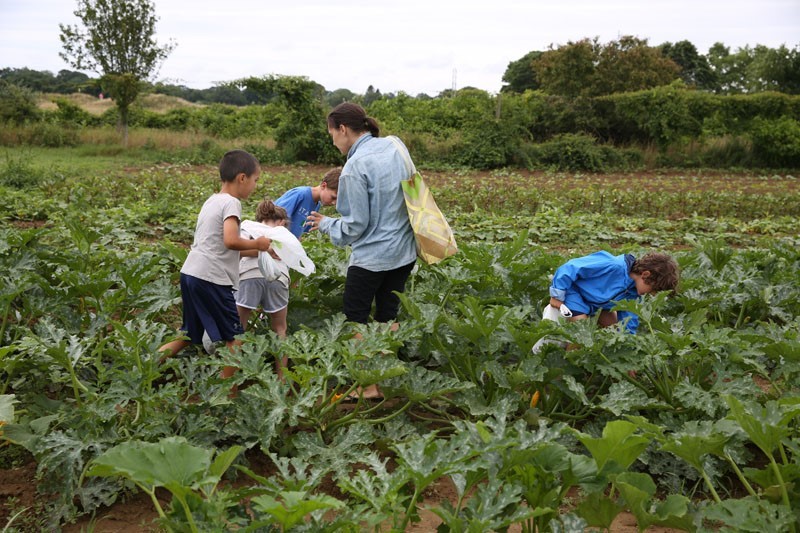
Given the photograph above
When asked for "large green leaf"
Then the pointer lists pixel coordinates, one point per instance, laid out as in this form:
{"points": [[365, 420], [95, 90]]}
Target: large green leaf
{"points": [[290, 508], [750, 514], [7, 402], [170, 462], [618, 444], [420, 384]]}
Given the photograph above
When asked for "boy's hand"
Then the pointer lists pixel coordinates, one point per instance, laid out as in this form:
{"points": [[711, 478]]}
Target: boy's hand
{"points": [[263, 244]]}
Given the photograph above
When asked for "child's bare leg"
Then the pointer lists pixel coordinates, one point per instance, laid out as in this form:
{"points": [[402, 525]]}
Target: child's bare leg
{"points": [[229, 371], [173, 348], [277, 322], [244, 315], [607, 318], [372, 391]]}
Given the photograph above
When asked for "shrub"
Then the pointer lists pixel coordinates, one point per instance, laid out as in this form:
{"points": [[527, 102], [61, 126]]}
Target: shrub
{"points": [[486, 147], [571, 151], [18, 173], [17, 104], [52, 135], [776, 143], [72, 114]]}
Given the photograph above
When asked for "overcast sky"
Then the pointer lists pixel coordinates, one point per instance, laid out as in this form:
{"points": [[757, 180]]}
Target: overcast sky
{"points": [[413, 46]]}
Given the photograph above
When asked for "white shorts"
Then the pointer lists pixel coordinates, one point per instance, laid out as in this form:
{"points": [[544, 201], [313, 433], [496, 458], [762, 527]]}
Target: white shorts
{"points": [[271, 296]]}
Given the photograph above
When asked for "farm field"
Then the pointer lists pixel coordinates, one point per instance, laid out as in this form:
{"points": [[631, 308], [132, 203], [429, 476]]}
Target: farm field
{"points": [[693, 424]]}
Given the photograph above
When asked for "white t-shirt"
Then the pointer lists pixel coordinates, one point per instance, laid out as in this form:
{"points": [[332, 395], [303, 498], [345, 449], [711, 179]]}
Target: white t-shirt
{"points": [[209, 259]]}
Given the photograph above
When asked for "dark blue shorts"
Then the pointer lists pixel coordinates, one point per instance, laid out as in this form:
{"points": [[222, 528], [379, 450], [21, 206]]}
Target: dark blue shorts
{"points": [[208, 307]]}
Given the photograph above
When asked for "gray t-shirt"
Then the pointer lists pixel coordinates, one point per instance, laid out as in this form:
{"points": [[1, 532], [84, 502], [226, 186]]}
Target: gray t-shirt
{"points": [[209, 259]]}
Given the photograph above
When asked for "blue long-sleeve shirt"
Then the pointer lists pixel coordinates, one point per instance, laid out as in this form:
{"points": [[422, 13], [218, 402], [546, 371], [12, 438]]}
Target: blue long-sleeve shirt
{"points": [[374, 220], [600, 279]]}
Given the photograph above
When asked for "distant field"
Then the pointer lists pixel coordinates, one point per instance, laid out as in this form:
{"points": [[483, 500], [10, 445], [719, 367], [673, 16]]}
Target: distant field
{"points": [[157, 103]]}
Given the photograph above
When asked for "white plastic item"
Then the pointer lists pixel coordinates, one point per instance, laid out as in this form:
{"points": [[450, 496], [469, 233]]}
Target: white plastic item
{"points": [[268, 267], [285, 245], [555, 315], [551, 313]]}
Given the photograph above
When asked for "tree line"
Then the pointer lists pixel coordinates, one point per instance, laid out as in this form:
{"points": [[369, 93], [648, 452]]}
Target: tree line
{"points": [[582, 68], [590, 68], [599, 105]]}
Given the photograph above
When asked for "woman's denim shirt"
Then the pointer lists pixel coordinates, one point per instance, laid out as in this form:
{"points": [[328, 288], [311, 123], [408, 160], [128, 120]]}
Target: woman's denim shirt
{"points": [[374, 219]]}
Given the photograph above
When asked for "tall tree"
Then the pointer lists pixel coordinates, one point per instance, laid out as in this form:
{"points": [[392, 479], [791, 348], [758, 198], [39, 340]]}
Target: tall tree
{"points": [[773, 69], [520, 76], [302, 134], [695, 70], [568, 70], [588, 68], [630, 64], [116, 41], [729, 68]]}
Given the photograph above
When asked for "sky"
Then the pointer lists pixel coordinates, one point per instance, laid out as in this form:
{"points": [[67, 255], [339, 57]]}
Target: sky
{"points": [[413, 46]]}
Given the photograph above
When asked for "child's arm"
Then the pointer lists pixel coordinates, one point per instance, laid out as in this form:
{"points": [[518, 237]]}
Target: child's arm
{"points": [[234, 241]]}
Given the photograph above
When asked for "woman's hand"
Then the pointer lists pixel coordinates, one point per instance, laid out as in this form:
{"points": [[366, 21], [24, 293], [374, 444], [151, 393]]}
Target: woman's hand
{"points": [[313, 220]]}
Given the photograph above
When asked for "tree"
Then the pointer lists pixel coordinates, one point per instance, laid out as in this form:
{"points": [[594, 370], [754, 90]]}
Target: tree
{"points": [[116, 41], [568, 70], [520, 76], [302, 134], [339, 96], [695, 70], [773, 69], [371, 95], [630, 64], [587, 68], [729, 69]]}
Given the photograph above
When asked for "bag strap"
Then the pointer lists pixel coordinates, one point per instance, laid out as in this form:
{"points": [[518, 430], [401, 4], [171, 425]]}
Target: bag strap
{"points": [[410, 168]]}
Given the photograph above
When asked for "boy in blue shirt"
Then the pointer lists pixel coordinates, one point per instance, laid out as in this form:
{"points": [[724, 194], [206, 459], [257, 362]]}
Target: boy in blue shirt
{"points": [[301, 201], [210, 274], [591, 284]]}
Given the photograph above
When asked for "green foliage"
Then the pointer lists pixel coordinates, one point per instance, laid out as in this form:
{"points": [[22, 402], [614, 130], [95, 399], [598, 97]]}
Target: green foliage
{"points": [[88, 293], [577, 152], [776, 143], [520, 76], [17, 104], [116, 39], [19, 173], [588, 68]]}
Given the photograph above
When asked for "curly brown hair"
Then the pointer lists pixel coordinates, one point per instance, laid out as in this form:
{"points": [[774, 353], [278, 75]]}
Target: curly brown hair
{"points": [[268, 211], [664, 271]]}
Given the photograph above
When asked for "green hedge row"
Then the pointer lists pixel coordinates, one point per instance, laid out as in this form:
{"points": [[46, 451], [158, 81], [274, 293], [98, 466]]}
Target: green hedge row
{"points": [[472, 128]]}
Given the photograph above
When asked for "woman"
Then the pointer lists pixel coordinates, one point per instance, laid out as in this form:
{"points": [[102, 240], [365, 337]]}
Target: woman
{"points": [[374, 221]]}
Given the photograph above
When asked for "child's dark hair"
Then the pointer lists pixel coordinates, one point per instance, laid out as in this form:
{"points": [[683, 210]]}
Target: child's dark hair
{"points": [[354, 117], [331, 178], [268, 211], [664, 271], [237, 162]]}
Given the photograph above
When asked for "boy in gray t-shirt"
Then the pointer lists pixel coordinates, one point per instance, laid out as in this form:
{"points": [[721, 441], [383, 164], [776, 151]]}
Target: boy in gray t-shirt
{"points": [[210, 273]]}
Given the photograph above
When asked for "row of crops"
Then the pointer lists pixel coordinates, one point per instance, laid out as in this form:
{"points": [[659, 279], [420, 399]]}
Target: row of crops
{"points": [[694, 423]]}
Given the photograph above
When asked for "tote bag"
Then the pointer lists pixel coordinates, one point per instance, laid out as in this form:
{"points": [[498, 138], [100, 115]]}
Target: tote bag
{"points": [[435, 240]]}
